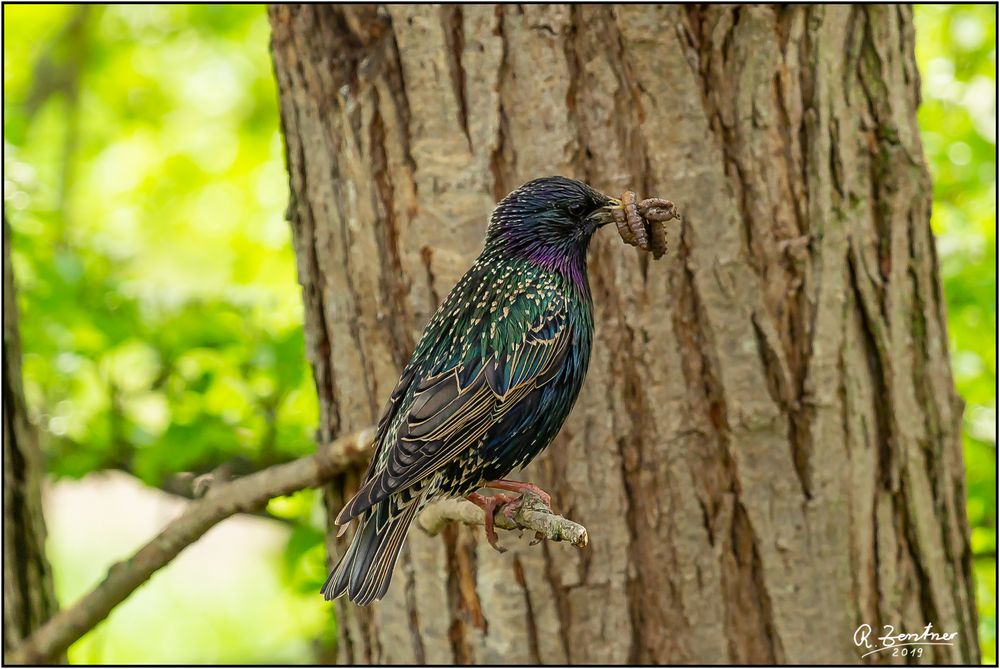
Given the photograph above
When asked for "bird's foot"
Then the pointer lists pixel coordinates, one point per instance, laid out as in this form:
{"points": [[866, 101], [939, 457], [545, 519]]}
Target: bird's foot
{"points": [[520, 487], [489, 503]]}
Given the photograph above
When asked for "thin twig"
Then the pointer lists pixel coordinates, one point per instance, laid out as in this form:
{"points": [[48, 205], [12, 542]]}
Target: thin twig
{"points": [[532, 515]]}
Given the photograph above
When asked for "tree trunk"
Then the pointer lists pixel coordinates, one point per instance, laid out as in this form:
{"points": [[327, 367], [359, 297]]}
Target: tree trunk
{"points": [[28, 596], [766, 451]]}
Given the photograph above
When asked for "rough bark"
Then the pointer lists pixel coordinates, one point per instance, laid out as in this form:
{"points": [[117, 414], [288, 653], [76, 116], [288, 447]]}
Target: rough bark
{"points": [[28, 595], [766, 451]]}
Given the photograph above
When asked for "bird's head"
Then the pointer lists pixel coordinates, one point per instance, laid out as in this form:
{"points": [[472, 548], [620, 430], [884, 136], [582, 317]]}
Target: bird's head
{"points": [[550, 217]]}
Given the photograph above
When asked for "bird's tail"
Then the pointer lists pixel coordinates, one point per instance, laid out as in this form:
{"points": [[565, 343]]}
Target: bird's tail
{"points": [[364, 572]]}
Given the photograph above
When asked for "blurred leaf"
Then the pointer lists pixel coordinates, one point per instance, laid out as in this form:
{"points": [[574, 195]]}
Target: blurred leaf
{"points": [[152, 225], [956, 53], [161, 316]]}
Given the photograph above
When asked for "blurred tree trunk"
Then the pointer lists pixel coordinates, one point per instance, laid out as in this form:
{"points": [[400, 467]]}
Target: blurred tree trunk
{"points": [[28, 595], [767, 450]]}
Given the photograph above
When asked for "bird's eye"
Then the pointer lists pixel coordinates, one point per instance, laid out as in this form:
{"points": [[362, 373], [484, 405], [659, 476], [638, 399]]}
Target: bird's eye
{"points": [[577, 209]]}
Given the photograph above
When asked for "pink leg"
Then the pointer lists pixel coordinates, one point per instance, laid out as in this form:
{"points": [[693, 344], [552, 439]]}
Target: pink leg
{"points": [[518, 486], [488, 503]]}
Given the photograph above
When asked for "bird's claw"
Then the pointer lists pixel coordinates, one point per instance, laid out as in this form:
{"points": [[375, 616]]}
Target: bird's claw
{"points": [[489, 503], [520, 487], [510, 507], [542, 495]]}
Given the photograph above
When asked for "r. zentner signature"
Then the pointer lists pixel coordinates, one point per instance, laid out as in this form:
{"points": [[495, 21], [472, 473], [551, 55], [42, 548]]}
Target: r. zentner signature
{"points": [[901, 641]]}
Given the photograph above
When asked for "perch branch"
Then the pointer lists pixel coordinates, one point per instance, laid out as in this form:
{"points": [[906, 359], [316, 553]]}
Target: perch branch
{"points": [[532, 514], [220, 501]]}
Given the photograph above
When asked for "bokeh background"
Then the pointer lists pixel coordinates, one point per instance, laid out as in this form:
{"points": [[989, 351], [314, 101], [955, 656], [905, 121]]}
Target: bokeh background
{"points": [[161, 316]]}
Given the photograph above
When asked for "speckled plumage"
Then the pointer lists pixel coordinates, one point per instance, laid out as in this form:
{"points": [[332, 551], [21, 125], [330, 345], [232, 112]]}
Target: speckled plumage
{"points": [[492, 379]]}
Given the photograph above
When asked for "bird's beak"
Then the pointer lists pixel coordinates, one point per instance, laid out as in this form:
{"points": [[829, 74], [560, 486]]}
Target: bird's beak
{"points": [[606, 214]]}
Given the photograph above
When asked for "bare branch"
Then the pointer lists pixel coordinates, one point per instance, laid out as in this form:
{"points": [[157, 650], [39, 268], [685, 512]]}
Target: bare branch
{"points": [[191, 486], [221, 501], [532, 514]]}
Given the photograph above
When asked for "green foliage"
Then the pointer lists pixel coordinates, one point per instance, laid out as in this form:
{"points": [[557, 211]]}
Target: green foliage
{"points": [[304, 558], [161, 317], [956, 53]]}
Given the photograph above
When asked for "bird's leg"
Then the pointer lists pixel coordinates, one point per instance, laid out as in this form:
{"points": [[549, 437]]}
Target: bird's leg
{"points": [[520, 487], [488, 503]]}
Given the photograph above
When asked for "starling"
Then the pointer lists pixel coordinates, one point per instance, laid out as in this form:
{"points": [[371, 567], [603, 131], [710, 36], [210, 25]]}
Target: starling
{"points": [[490, 383]]}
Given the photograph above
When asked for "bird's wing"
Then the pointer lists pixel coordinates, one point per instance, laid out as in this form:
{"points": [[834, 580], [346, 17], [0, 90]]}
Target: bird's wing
{"points": [[454, 408], [390, 412]]}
